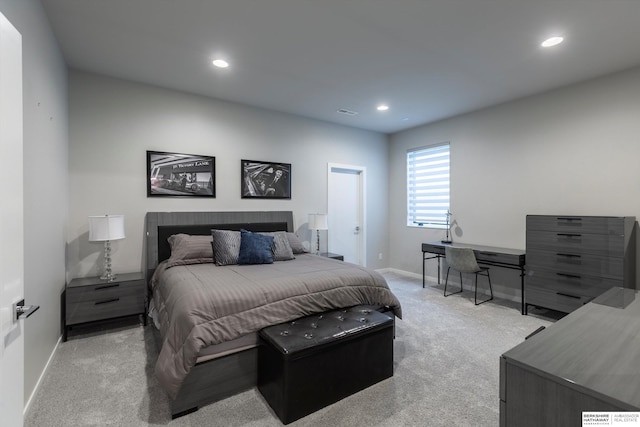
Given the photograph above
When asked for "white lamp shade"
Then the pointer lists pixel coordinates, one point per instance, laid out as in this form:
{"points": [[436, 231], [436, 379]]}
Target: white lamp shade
{"points": [[318, 221], [106, 227]]}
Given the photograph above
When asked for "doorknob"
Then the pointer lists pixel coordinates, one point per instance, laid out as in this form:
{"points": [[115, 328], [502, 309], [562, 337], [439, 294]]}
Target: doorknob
{"points": [[24, 311]]}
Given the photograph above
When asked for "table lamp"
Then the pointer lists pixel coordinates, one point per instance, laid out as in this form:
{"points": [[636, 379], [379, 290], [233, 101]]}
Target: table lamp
{"points": [[318, 221], [448, 226], [105, 228]]}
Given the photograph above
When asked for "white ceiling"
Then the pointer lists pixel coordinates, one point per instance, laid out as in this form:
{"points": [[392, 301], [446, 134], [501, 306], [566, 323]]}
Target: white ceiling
{"points": [[427, 59]]}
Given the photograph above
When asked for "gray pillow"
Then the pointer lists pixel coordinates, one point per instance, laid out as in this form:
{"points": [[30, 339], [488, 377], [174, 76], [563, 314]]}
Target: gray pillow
{"points": [[296, 245], [281, 248], [226, 246], [188, 249]]}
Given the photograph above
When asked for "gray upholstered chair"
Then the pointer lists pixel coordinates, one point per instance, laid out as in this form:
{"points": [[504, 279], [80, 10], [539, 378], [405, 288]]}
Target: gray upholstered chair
{"points": [[464, 260]]}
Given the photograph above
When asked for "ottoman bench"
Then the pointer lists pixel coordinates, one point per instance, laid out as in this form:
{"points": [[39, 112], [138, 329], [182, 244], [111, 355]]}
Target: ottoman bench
{"points": [[312, 362]]}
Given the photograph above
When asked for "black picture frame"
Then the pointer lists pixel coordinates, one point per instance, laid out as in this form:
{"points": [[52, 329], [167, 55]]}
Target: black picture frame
{"points": [[180, 175], [265, 180]]}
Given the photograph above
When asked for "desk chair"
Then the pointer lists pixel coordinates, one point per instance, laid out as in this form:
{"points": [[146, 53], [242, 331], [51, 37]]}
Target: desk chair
{"points": [[464, 260]]}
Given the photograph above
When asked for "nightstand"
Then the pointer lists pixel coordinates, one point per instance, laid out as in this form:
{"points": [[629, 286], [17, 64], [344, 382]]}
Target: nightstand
{"points": [[89, 299], [332, 255]]}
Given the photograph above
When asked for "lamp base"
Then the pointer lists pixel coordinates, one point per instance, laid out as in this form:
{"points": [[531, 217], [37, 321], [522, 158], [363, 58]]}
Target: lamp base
{"points": [[108, 277]]}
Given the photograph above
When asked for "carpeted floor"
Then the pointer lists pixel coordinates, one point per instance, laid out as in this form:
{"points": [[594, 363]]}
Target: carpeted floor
{"points": [[446, 373]]}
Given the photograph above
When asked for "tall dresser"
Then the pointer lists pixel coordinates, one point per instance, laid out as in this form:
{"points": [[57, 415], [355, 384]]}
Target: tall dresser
{"points": [[573, 259]]}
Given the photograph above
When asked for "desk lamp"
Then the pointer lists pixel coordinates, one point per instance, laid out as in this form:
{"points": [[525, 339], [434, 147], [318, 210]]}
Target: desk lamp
{"points": [[447, 239]]}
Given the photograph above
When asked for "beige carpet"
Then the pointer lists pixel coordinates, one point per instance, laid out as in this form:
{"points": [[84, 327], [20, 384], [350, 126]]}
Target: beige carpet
{"points": [[446, 373]]}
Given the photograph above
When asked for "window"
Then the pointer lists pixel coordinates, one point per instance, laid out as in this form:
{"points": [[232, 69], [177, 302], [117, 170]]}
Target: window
{"points": [[428, 186]]}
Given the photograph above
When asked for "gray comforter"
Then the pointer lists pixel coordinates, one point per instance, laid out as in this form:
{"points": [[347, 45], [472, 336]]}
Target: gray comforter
{"points": [[204, 304]]}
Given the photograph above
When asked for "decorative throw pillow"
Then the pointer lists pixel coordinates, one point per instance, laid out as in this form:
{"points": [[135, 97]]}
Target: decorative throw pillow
{"points": [[226, 246], [255, 248], [296, 245], [188, 249], [281, 248]]}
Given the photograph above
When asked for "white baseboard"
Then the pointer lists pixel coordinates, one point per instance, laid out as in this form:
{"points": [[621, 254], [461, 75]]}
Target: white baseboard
{"points": [[42, 374]]}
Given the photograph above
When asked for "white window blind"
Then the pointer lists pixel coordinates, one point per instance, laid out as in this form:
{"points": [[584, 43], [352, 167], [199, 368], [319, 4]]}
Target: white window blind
{"points": [[428, 186]]}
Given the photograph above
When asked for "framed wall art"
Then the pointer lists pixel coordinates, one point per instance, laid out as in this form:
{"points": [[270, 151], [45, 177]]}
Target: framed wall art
{"points": [[265, 180], [181, 175]]}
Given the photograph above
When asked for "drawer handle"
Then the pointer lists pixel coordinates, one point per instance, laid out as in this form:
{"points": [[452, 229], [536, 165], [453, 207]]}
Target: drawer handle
{"points": [[567, 295], [570, 255], [114, 285], [569, 235], [568, 218], [489, 254], [570, 276], [107, 301]]}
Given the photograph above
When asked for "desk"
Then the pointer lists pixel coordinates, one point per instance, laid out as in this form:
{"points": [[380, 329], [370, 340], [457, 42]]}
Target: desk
{"points": [[586, 361], [487, 255]]}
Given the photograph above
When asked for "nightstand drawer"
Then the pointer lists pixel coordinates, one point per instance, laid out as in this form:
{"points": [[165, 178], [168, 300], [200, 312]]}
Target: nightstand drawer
{"points": [[105, 308], [104, 290]]}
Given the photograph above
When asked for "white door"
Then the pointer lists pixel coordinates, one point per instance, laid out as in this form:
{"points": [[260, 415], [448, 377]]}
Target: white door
{"points": [[11, 226], [346, 212]]}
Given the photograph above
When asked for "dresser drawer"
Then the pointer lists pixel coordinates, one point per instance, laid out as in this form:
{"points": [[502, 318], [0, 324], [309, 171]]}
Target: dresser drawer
{"points": [[570, 284], [575, 263], [104, 290], [577, 224], [554, 300], [576, 243], [105, 308]]}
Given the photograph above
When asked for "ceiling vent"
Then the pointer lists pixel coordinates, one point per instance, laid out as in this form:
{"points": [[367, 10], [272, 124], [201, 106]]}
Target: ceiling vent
{"points": [[347, 112]]}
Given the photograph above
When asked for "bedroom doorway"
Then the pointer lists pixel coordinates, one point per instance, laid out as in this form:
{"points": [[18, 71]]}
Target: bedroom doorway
{"points": [[345, 207], [11, 226]]}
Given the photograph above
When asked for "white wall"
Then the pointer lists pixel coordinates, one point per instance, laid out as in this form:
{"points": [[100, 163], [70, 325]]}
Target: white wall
{"points": [[45, 181], [113, 123], [570, 151]]}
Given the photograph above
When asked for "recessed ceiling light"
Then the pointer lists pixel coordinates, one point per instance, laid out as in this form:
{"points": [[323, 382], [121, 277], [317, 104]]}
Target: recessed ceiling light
{"points": [[220, 63], [382, 107], [552, 41]]}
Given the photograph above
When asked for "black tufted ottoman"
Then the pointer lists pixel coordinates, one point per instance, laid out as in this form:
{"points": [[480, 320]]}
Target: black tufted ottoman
{"points": [[317, 360]]}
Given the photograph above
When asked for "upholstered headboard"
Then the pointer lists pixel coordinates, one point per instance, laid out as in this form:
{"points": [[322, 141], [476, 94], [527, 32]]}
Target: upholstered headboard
{"points": [[160, 225]]}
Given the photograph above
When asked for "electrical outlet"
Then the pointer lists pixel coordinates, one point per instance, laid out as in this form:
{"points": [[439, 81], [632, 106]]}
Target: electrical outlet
{"points": [[380, 255]]}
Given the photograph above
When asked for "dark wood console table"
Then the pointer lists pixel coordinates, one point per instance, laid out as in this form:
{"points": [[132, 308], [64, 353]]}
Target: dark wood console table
{"points": [[488, 255], [587, 361]]}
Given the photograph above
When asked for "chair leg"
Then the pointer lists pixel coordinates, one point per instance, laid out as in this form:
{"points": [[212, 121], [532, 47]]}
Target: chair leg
{"points": [[446, 282], [475, 297]]}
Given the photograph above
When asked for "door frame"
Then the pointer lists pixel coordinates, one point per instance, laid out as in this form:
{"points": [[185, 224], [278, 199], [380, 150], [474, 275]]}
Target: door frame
{"points": [[362, 174]]}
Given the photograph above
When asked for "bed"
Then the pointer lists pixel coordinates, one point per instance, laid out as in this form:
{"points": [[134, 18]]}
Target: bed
{"points": [[209, 310]]}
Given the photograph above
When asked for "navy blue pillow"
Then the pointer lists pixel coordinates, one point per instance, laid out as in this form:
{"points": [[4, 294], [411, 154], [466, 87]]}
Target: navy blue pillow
{"points": [[255, 248]]}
